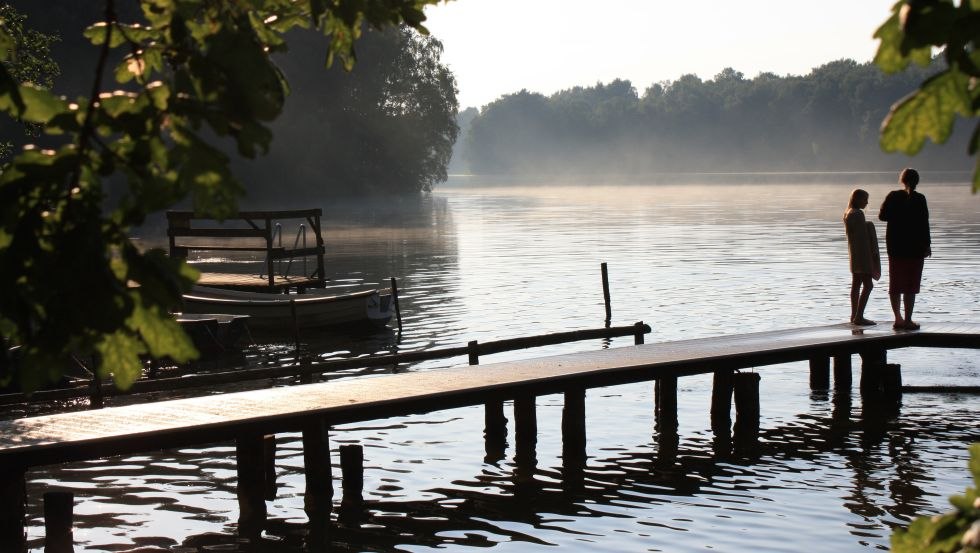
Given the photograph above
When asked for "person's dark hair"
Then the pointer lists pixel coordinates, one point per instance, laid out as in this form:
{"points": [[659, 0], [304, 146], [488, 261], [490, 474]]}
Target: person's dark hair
{"points": [[909, 177]]}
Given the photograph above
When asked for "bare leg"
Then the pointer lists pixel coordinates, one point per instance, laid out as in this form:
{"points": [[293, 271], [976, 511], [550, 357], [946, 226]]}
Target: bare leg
{"points": [[855, 295], [863, 301], [896, 299], [909, 306]]}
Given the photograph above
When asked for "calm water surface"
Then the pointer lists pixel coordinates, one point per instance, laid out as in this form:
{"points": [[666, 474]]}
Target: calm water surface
{"points": [[489, 262]]}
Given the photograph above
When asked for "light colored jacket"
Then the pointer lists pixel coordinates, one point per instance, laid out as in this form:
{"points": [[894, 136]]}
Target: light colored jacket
{"points": [[862, 244]]}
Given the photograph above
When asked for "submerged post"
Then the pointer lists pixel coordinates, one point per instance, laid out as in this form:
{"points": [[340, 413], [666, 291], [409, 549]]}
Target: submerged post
{"points": [[525, 427], [249, 449], [872, 367], [665, 400], [13, 499], [842, 373], [316, 465], [721, 402], [605, 290], [573, 437], [58, 508], [747, 399], [352, 470], [269, 465]]}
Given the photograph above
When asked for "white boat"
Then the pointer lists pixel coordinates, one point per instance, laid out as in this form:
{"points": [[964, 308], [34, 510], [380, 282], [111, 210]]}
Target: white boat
{"points": [[288, 313]]}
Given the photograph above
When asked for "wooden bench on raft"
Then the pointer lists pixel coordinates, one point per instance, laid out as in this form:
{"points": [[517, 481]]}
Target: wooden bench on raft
{"points": [[249, 417]]}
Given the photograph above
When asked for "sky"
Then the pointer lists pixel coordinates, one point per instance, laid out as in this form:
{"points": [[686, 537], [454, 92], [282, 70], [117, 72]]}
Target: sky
{"points": [[497, 47]]}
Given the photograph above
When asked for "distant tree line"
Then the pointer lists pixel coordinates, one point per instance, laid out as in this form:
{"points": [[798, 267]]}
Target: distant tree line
{"points": [[825, 121], [388, 125]]}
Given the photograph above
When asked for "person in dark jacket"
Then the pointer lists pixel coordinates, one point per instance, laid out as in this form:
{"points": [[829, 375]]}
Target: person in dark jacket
{"points": [[908, 243]]}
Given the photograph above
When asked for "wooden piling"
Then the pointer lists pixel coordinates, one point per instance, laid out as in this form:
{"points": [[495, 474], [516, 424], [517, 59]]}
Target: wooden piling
{"points": [[820, 373], [665, 400], [494, 431], [746, 387], [249, 450], [872, 367], [891, 381], [721, 402], [605, 290], [316, 465], [639, 332], [352, 471], [394, 299], [842, 373], [269, 465], [13, 499], [292, 312], [525, 427], [573, 437], [58, 508]]}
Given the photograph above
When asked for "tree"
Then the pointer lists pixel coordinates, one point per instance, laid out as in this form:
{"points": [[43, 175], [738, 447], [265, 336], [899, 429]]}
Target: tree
{"points": [[914, 30], [190, 72], [30, 61]]}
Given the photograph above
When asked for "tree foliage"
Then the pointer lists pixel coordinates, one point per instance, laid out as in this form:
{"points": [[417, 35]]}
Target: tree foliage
{"points": [[957, 531], [187, 73], [915, 29], [827, 120]]}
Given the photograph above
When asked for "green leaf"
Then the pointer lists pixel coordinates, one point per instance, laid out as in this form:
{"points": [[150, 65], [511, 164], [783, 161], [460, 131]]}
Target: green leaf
{"points": [[120, 353], [40, 106], [891, 57], [927, 113], [161, 333]]}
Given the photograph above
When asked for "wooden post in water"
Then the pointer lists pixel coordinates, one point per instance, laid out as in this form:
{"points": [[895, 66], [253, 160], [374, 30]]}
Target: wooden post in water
{"points": [[842, 373], [58, 508], [665, 400], [892, 381], [638, 333], [721, 402], [820, 373], [292, 311], [269, 464], [525, 427], [250, 449], [573, 437], [13, 500], [316, 465], [872, 367], [494, 420], [605, 291], [352, 470], [394, 298], [746, 387]]}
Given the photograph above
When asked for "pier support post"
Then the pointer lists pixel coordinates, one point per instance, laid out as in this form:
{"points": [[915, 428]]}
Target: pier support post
{"points": [[249, 449], [721, 402], [269, 464], [842, 373], [525, 429], [892, 381], [58, 508], [747, 400], [316, 464], [638, 328], [13, 497], [820, 373], [494, 431], [352, 470], [573, 438], [872, 366], [665, 398]]}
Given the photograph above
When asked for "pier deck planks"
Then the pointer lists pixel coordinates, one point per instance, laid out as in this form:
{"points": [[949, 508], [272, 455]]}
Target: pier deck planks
{"points": [[177, 423]]}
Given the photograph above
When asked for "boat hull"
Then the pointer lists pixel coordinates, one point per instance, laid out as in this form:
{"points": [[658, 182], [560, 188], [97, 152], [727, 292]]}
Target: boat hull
{"points": [[289, 313]]}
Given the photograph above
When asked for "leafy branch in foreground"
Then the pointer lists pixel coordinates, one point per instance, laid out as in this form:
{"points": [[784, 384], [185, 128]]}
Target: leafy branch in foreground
{"points": [[915, 28], [955, 532], [71, 282]]}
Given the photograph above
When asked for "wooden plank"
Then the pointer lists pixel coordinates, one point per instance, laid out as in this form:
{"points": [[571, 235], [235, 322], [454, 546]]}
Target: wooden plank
{"points": [[82, 435]]}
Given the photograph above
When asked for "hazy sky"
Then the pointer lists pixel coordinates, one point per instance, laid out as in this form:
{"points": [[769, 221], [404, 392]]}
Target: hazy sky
{"points": [[500, 46]]}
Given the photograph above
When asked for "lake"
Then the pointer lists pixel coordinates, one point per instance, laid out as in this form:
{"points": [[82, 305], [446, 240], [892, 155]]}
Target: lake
{"points": [[484, 260]]}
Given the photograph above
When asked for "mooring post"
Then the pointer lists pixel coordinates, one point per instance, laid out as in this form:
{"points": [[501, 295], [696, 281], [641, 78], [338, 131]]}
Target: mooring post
{"points": [[605, 290], [820, 373], [58, 508], [721, 402], [292, 311], [250, 452], [96, 399], [665, 400], [316, 464], [842, 373], [638, 328], [269, 464], [891, 381], [872, 367], [525, 427], [352, 470], [394, 299], [494, 431], [13, 499]]}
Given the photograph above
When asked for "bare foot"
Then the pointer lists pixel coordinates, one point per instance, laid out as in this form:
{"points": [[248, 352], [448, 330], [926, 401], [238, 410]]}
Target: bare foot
{"points": [[899, 325], [861, 321], [909, 325]]}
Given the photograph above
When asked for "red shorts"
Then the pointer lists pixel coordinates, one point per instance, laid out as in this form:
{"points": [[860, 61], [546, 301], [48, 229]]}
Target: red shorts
{"points": [[904, 274]]}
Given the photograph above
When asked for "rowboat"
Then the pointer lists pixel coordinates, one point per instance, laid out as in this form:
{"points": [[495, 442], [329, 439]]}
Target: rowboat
{"points": [[284, 313]]}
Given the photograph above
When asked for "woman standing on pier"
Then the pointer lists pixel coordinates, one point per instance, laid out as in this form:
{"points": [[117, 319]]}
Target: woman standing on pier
{"points": [[862, 248], [909, 243]]}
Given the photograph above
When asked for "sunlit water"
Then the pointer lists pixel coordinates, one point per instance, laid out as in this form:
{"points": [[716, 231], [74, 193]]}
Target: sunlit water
{"points": [[484, 263]]}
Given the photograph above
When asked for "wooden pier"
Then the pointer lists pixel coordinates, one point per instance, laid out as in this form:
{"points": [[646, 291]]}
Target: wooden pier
{"points": [[249, 417]]}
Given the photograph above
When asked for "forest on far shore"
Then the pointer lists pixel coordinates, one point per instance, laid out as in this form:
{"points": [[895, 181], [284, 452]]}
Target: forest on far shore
{"points": [[827, 120]]}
